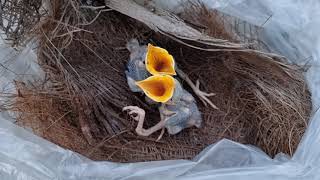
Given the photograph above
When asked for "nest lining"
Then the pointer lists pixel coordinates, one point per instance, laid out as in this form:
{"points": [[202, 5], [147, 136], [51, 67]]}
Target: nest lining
{"points": [[263, 101]]}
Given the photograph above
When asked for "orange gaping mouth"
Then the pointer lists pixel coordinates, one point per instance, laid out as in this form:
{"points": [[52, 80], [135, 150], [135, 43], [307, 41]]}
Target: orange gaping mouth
{"points": [[159, 88], [159, 61]]}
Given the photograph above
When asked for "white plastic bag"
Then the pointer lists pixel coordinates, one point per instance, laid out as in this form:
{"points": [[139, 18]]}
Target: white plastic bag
{"points": [[291, 31]]}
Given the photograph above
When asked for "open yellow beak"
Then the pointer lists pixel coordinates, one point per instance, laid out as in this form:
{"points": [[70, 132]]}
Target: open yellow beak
{"points": [[159, 88], [159, 61]]}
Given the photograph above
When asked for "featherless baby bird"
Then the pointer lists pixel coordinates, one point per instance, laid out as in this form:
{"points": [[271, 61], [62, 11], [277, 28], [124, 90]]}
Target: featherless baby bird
{"points": [[150, 70], [136, 68]]}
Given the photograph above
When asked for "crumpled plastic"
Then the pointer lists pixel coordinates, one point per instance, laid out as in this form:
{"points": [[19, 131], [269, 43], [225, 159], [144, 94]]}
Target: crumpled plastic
{"points": [[291, 31]]}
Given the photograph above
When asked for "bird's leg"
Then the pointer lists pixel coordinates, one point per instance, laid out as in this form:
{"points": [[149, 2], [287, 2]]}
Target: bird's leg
{"points": [[161, 134], [162, 117], [203, 96], [167, 112], [140, 117]]}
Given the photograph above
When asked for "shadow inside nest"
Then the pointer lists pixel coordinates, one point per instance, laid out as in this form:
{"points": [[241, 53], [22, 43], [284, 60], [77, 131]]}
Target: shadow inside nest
{"points": [[262, 102]]}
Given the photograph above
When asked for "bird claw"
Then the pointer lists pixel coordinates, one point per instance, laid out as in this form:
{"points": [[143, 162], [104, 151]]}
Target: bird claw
{"points": [[140, 115], [135, 112], [198, 84], [161, 135], [203, 96]]}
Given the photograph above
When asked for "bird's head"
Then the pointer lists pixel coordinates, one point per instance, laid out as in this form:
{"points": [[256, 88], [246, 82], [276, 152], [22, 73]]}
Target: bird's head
{"points": [[159, 88], [159, 61]]}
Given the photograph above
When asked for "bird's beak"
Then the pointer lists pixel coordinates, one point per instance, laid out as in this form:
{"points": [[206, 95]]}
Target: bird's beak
{"points": [[159, 61], [159, 88]]}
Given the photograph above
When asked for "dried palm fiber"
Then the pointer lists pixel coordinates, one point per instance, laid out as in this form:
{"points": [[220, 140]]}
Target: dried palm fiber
{"points": [[17, 17], [262, 100]]}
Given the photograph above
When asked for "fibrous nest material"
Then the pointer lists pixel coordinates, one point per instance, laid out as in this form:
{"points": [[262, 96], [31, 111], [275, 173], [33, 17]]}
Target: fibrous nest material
{"points": [[262, 99], [18, 17]]}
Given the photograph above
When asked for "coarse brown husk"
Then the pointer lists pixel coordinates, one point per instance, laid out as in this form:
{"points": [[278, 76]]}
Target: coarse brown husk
{"points": [[262, 101]]}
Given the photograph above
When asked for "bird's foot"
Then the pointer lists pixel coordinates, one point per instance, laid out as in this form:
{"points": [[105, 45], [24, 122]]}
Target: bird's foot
{"points": [[203, 96], [138, 114], [135, 112]]}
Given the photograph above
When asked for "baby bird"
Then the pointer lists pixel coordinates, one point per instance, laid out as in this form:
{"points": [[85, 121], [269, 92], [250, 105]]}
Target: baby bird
{"points": [[136, 68], [180, 111], [177, 111], [150, 70], [151, 60], [146, 61]]}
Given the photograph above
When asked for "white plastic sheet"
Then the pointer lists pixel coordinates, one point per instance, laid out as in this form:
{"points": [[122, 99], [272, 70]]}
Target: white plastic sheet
{"points": [[16, 65], [291, 31]]}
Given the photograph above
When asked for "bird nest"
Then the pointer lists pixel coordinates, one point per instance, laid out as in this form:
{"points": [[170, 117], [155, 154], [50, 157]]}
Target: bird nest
{"points": [[262, 99]]}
